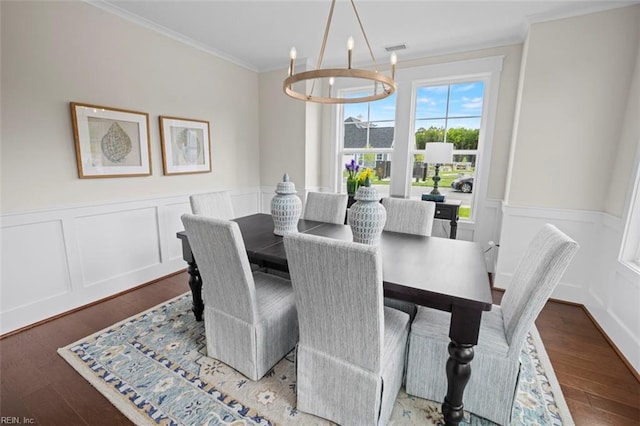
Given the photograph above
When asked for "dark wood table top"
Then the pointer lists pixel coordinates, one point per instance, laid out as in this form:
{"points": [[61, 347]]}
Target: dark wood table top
{"points": [[429, 271]]}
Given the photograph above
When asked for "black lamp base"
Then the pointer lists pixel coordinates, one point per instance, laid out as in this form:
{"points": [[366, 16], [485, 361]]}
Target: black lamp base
{"points": [[433, 197]]}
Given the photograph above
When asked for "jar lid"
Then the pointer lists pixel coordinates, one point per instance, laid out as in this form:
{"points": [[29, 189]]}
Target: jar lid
{"points": [[285, 187], [367, 193]]}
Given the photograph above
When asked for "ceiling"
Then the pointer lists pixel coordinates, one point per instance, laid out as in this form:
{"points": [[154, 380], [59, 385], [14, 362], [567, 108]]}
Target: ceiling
{"points": [[258, 34]]}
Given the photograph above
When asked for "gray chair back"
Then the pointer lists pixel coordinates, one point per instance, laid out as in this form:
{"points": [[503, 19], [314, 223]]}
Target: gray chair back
{"points": [[221, 255], [338, 290], [326, 207], [536, 276], [409, 216], [213, 204]]}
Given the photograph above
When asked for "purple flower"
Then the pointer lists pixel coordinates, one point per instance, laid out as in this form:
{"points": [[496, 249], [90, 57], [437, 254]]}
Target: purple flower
{"points": [[352, 168]]}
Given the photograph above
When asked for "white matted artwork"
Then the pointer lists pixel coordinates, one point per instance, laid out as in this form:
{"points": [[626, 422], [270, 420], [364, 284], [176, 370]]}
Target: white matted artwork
{"points": [[110, 142], [185, 145]]}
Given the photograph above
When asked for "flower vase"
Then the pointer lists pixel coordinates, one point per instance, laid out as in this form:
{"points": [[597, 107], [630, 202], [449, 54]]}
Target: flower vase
{"points": [[286, 207], [367, 215], [352, 185]]}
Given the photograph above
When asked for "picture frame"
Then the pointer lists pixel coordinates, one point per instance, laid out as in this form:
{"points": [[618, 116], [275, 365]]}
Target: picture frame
{"points": [[110, 142], [186, 146]]}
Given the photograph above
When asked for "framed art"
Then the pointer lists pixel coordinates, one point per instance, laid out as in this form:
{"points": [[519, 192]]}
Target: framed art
{"points": [[110, 142], [185, 145]]}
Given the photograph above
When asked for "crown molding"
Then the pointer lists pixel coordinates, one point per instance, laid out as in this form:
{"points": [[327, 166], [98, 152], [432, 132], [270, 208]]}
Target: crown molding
{"points": [[114, 9]]}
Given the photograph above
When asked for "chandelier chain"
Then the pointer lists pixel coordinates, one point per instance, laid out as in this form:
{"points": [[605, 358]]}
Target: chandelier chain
{"points": [[375, 64]]}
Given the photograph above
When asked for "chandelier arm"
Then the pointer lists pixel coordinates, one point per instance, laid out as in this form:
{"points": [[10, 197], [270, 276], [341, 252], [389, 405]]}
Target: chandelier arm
{"points": [[375, 64], [324, 43], [326, 35]]}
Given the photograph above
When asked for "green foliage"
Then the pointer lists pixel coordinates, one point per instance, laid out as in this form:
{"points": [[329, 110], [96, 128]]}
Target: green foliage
{"points": [[461, 137], [432, 134]]}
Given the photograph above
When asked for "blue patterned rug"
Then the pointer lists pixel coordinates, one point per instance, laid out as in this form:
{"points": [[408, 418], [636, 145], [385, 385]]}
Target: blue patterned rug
{"points": [[153, 367]]}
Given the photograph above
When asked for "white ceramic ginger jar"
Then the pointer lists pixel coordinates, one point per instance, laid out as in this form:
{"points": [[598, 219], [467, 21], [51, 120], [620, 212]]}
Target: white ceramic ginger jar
{"points": [[286, 207], [367, 216]]}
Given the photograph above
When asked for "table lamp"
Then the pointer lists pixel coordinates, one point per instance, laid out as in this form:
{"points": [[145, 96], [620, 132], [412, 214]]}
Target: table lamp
{"points": [[437, 153]]}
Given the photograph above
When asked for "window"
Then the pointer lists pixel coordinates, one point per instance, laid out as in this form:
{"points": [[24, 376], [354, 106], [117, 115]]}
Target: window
{"points": [[448, 113], [453, 101], [367, 135]]}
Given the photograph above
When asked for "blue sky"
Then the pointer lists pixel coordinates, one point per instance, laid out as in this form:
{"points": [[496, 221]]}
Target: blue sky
{"points": [[465, 100]]}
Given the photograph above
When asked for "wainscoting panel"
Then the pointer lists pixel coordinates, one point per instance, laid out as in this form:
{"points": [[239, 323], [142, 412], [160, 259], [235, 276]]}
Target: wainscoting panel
{"points": [[33, 257], [170, 224], [59, 259], [608, 289], [519, 226], [246, 202], [118, 243]]}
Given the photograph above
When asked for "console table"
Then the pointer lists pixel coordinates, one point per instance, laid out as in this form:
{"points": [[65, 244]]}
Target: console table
{"points": [[445, 210]]}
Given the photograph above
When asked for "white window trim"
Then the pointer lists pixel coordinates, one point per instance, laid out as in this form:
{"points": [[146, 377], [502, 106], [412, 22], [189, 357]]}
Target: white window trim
{"points": [[486, 69]]}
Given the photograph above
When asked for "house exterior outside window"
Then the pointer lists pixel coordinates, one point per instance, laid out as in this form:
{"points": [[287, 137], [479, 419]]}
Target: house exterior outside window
{"points": [[367, 136]]}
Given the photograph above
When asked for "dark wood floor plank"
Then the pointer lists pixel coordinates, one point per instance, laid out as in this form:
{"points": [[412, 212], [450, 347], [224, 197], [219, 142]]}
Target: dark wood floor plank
{"points": [[623, 394], [47, 407], [610, 406], [597, 385], [586, 415]]}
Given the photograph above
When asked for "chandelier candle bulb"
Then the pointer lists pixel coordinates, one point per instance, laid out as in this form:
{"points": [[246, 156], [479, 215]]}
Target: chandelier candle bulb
{"points": [[292, 55], [349, 51], [394, 61], [331, 81]]}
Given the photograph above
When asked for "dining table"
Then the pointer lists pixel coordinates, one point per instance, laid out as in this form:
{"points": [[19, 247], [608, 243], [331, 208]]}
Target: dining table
{"points": [[439, 273]]}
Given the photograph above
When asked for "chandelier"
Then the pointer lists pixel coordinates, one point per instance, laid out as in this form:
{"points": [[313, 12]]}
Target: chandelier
{"points": [[383, 85]]}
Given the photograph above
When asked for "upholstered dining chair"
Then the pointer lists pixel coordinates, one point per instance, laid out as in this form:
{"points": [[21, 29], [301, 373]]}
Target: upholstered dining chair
{"points": [[250, 318], [351, 353], [408, 217], [217, 205], [326, 207], [213, 204], [493, 384]]}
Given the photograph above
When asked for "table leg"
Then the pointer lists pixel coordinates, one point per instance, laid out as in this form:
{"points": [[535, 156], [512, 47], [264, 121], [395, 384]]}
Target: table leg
{"points": [[195, 283], [453, 232], [463, 332], [458, 373]]}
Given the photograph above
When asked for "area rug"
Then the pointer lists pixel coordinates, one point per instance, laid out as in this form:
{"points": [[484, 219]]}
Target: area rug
{"points": [[153, 367]]}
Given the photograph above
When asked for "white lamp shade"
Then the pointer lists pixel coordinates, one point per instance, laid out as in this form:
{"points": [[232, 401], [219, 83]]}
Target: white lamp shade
{"points": [[438, 152]]}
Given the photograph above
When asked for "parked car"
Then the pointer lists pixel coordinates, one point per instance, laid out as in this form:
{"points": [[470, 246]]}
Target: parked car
{"points": [[463, 183]]}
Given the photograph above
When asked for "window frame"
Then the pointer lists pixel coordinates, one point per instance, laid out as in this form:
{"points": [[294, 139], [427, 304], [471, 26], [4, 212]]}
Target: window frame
{"points": [[340, 151], [416, 85], [487, 69]]}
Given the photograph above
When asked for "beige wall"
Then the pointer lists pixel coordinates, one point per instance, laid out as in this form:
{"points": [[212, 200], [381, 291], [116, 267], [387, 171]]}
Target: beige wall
{"points": [[282, 132], [628, 146], [55, 53], [575, 81]]}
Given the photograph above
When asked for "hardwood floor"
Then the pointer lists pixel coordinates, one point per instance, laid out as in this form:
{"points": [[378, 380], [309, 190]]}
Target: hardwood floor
{"points": [[39, 387]]}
